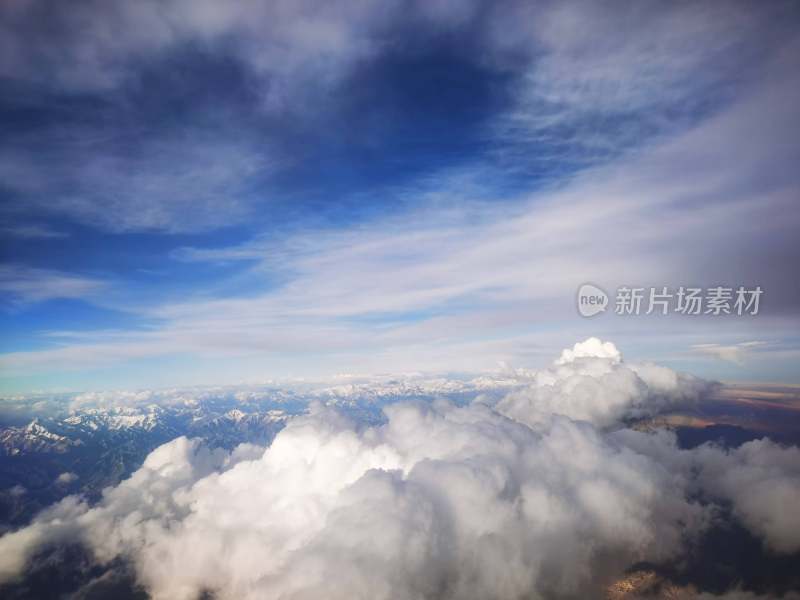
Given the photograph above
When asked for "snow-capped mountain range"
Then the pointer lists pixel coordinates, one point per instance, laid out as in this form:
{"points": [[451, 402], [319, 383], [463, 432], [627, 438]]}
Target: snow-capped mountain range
{"points": [[34, 437], [52, 445]]}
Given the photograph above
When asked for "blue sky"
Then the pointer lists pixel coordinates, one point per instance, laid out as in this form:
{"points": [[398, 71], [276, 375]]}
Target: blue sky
{"points": [[201, 193]]}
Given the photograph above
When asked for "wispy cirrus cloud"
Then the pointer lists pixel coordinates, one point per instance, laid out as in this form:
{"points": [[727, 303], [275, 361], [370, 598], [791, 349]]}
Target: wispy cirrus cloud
{"points": [[591, 92], [21, 284], [735, 353], [442, 264], [578, 92], [98, 46], [425, 288], [172, 181], [32, 231]]}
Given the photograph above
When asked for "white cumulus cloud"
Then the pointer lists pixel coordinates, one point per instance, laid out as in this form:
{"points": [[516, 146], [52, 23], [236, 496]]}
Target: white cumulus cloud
{"points": [[591, 382], [66, 478], [441, 501]]}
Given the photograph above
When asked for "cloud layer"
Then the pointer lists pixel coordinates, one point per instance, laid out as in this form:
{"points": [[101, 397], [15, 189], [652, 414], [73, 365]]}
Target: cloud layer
{"points": [[590, 382], [441, 501], [280, 155]]}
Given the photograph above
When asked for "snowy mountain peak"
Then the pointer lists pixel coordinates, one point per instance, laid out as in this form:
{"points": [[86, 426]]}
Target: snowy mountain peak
{"points": [[235, 415]]}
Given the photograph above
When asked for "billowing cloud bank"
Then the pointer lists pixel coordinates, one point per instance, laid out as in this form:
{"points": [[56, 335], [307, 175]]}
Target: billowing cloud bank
{"points": [[591, 382], [441, 501]]}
